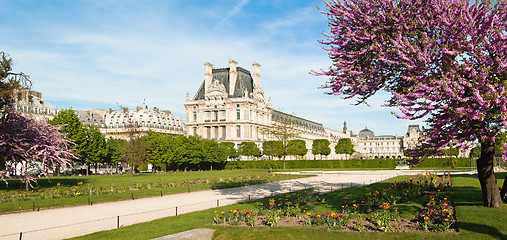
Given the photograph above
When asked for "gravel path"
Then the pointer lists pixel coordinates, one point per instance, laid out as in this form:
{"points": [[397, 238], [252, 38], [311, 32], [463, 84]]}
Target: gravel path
{"points": [[60, 223]]}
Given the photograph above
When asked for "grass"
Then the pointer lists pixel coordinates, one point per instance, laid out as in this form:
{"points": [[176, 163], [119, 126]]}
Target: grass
{"points": [[89, 182], [474, 221]]}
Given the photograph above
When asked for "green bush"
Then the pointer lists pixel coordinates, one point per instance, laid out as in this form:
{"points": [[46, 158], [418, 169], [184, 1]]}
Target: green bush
{"points": [[429, 163], [444, 163], [301, 164]]}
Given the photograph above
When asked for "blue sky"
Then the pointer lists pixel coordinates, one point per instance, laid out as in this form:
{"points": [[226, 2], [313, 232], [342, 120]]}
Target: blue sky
{"points": [[97, 53]]}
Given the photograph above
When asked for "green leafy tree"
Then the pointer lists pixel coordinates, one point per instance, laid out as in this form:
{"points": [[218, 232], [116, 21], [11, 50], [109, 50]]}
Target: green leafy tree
{"points": [[69, 123], [114, 151], [297, 148], [476, 151], [272, 148], [213, 154], [321, 147], [231, 151], [160, 148], [451, 152], [92, 147], [90, 144], [249, 149], [282, 130], [344, 146]]}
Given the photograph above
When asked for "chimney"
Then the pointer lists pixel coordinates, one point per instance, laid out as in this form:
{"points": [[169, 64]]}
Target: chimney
{"points": [[233, 75], [138, 108], [110, 110], [256, 75], [155, 109], [208, 75], [125, 109]]}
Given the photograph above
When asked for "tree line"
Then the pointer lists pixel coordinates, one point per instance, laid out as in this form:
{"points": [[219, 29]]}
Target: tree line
{"points": [[168, 152]]}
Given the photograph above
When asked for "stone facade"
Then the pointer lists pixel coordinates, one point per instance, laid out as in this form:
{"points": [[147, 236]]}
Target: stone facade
{"points": [[31, 102], [113, 123], [229, 106]]}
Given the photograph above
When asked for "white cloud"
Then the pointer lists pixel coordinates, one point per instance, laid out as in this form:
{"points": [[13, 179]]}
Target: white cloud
{"points": [[234, 11]]}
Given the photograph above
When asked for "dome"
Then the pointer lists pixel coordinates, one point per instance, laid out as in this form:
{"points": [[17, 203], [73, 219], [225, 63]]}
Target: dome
{"points": [[366, 133]]}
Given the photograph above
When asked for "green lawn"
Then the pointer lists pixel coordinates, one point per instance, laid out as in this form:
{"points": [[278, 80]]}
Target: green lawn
{"points": [[474, 221], [139, 186]]}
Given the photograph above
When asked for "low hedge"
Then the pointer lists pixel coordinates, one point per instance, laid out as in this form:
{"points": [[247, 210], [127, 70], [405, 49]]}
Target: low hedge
{"points": [[344, 164], [445, 163]]}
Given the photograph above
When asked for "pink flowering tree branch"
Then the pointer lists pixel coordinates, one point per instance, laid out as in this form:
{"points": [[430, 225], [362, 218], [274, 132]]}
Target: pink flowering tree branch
{"points": [[442, 60], [27, 143]]}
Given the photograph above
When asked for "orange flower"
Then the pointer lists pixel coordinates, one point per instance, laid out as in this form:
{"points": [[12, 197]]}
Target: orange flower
{"points": [[426, 218], [271, 203], [385, 207], [447, 219]]}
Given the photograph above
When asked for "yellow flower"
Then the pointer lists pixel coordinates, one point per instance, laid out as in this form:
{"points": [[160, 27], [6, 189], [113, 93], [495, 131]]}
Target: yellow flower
{"points": [[426, 218], [447, 219], [318, 216], [222, 212]]}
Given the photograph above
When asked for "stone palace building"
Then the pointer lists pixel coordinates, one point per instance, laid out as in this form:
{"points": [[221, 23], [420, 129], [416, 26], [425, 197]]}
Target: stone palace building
{"points": [[230, 106]]}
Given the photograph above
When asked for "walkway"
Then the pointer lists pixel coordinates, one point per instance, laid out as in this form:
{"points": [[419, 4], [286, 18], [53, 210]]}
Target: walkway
{"points": [[60, 223]]}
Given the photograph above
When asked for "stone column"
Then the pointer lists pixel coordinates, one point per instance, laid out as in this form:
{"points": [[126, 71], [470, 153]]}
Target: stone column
{"points": [[208, 75], [256, 75], [233, 75]]}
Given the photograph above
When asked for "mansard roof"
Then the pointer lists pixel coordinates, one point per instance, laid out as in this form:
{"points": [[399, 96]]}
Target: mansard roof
{"points": [[366, 133], [244, 81], [277, 115]]}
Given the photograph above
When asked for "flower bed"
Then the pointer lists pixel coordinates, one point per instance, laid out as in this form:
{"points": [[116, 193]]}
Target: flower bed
{"points": [[374, 211]]}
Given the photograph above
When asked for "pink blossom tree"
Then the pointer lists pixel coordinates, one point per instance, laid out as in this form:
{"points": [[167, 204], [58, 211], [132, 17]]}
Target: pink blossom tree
{"points": [[442, 60], [27, 143]]}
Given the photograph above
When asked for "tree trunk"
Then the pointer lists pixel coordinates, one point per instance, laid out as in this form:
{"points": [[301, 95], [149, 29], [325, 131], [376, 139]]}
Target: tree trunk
{"points": [[490, 193], [284, 162], [503, 194]]}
